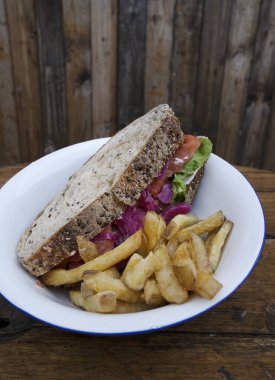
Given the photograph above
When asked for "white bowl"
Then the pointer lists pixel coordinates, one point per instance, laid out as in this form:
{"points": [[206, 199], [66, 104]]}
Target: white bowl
{"points": [[21, 199]]}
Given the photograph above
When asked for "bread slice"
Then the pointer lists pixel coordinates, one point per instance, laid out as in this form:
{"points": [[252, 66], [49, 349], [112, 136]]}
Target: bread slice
{"points": [[193, 185], [99, 192]]}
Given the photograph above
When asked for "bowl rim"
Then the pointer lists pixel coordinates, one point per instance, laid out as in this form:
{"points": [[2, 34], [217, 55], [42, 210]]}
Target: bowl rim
{"points": [[147, 330]]}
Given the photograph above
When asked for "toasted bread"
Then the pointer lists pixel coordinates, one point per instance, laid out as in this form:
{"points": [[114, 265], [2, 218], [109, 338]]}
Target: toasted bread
{"points": [[99, 192]]}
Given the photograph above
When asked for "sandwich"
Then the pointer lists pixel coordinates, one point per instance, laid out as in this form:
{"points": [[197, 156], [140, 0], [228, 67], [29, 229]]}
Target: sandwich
{"points": [[148, 165]]}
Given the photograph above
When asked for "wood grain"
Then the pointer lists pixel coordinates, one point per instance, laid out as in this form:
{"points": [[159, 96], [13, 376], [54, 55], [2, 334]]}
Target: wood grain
{"points": [[9, 134], [268, 203], [8, 172], [23, 38], [216, 21], [161, 356], [52, 73], [262, 181], [253, 131], [159, 38], [74, 70], [77, 41], [241, 41], [268, 150], [131, 60], [104, 67], [185, 59]]}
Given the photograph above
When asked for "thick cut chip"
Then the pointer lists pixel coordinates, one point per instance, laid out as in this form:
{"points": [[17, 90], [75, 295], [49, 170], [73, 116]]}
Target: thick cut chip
{"points": [[168, 283], [184, 266], [103, 302], [152, 294], [99, 282], [137, 276], [206, 225], [87, 249], [177, 223], [56, 277]]}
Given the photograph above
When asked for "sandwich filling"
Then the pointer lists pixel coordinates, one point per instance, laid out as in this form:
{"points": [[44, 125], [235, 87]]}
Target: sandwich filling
{"points": [[166, 195]]}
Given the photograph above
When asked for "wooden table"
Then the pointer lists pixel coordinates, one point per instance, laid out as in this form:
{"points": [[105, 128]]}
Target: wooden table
{"points": [[235, 340]]}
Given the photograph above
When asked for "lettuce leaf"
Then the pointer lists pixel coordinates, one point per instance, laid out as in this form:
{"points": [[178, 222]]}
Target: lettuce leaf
{"points": [[179, 188], [198, 159]]}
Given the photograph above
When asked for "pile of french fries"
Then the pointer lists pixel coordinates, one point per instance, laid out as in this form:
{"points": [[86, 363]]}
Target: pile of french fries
{"points": [[165, 264]]}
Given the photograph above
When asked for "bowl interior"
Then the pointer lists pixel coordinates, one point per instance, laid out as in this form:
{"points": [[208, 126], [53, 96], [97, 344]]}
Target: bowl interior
{"points": [[21, 199]]}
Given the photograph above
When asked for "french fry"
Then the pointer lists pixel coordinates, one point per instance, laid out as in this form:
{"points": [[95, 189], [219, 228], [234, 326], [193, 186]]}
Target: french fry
{"points": [[103, 302], [142, 250], [206, 225], [199, 254], [177, 223], [209, 238], [127, 307], [85, 291], [172, 245], [184, 266], [56, 277], [161, 227], [153, 227], [152, 294], [168, 283], [206, 285], [216, 245], [134, 259], [112, 272], [137, 276], [87, 250], [76, 298], [99, 281]]}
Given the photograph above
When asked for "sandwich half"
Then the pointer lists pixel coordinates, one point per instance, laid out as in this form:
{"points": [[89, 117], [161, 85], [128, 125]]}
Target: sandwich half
{"points": [[149, 165]]}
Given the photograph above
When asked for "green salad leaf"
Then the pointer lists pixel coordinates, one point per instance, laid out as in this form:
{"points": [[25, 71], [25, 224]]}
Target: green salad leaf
{"points": [[199, 158]]}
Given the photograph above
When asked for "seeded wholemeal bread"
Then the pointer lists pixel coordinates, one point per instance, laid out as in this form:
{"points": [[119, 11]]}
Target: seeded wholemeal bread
{"points": [[193, 186], [99, 192]]}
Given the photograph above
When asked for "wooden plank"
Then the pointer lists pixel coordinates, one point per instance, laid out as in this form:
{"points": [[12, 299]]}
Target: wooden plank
{"points": [[104, 67], [9, 136], [268, 151], [237, 69], [216, 18], [131, 60], [262, 181], [268, 203], [77, 40], [9, 171], [185, 59], [51, 354], [52, 73], [260, 89], [23, 37], [159, 38]]}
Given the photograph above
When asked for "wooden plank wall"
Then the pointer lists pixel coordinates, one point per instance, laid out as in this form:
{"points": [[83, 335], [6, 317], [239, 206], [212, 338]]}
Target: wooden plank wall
{"points": [[73, 70]]}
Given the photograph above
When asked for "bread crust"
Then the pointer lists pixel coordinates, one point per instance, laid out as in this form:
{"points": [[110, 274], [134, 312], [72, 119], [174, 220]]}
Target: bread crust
{"points": [[107, 208], [193, 186]]}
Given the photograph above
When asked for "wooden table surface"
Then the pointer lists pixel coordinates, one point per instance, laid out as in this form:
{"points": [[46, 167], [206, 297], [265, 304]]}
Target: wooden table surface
{"points": [[235, 340]]}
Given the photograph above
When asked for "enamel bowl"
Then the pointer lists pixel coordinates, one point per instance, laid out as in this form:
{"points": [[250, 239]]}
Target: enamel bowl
{"points": [[22, 198]]}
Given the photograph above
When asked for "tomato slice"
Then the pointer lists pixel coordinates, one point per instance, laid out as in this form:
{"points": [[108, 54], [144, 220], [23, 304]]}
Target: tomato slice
{"points": [[182, 155]]}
